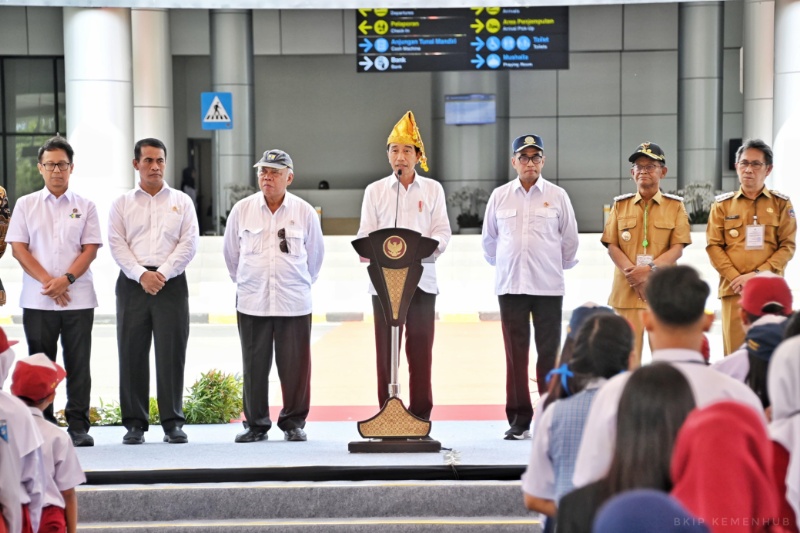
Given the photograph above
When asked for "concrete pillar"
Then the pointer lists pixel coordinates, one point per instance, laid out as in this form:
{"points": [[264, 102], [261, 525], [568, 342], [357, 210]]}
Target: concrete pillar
{"points": [[152, 83], [786, 117], [97, 64], [757, 68], [471, 156], [700, 93], [232, 71]]}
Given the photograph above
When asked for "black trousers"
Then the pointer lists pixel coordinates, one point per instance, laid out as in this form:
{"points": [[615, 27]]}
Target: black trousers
{"points": [[516, 313], [142, 319], [419, 330], [291, 336], [42, 330]]}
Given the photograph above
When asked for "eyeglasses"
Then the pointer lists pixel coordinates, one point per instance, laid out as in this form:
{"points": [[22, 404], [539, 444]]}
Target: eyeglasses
{"points": [[50, 167], [284, 246], [524, 159], [755, 165], [646, 168]]}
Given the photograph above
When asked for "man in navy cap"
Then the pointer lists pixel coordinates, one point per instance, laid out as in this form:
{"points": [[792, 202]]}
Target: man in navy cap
{"points": [[646, 229], [531, 236]]}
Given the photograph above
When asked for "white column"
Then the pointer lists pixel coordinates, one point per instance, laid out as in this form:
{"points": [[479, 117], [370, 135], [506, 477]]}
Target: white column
{"points": [[97, 65], [700, 93], [757, 68], [232, 71], [787, 98], [152, 83]]}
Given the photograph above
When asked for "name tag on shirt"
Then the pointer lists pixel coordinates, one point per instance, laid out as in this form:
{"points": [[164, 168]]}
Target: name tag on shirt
{"points": [[755, 237], [643, 260]]}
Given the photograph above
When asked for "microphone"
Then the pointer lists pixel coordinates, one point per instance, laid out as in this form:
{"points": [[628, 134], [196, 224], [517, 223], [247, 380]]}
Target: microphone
{"points": [[397, 204]]}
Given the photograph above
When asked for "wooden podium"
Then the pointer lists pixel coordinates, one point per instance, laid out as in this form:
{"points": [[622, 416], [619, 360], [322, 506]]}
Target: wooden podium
{"points": [[395, 268]]}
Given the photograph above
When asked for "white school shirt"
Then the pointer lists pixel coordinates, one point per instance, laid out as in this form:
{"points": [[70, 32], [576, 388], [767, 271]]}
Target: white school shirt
{"points": [[531, 237], [61, 466], [421, 207], [9, 482], [268, 281], [159, 231], [737, 364], [599, 436], [55, 229], [26, 441]]}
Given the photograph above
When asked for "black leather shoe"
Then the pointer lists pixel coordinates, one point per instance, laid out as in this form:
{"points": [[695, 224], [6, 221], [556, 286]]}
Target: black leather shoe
{"points": [[295, 435], [251, 435], [80, 439], [134, 436], [175, 436]]}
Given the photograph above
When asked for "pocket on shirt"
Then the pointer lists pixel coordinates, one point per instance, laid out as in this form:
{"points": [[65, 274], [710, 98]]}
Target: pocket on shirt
{"points": [[172, 225], [294, 239], [251, 241], [662, 231], [506, 220], [74, 230], [736, 226], [545, 220]]}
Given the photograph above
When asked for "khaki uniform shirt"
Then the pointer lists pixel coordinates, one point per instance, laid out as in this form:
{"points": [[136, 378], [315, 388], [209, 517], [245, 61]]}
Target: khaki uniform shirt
{"points": [[730, 215], [667, 224]]}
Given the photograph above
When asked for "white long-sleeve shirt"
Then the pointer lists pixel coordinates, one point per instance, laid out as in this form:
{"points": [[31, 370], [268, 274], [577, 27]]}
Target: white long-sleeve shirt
{"points": [[421, 207], [159, 231], [270, 282], [531, 237]]}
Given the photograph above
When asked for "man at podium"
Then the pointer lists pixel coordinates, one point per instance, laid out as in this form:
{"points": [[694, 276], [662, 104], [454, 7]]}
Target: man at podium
{"points": [[404, 199]]}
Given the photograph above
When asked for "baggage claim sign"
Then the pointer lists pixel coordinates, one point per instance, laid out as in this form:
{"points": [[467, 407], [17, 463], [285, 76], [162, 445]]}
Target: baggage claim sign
{"points": [[491, 38]]}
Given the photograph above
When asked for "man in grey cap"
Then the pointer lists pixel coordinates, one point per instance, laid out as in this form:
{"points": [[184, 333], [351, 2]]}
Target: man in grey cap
{"points": [[530, 236], [273, 250]]}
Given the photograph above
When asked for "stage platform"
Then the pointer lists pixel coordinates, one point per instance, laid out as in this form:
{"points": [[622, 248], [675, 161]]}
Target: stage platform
{"points": [[472, 450]]}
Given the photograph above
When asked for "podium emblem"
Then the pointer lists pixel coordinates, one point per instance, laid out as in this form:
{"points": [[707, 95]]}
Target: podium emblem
{"points": [[394, 247]]}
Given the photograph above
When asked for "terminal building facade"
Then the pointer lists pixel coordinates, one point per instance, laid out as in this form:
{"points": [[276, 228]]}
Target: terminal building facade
{"points": [[693, 77]]}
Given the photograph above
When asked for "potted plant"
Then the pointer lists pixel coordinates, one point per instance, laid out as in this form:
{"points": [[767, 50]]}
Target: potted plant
{"points": [[471, 205], [698, 197]]}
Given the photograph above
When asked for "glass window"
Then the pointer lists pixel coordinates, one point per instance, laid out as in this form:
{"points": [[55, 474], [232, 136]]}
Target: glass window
{"points": [[62, 98], [23, 175], [30, 94]]}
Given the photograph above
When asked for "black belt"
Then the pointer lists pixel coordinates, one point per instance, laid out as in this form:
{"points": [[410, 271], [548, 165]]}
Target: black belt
{"points": [[151, 269]]}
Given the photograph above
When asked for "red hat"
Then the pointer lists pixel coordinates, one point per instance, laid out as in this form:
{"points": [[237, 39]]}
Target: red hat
{"points": [[36, 377], [766, 289], [5, 344]]}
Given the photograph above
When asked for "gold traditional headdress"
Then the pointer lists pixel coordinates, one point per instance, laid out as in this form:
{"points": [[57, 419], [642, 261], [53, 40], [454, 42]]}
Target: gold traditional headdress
{"points": [[407, 132]]}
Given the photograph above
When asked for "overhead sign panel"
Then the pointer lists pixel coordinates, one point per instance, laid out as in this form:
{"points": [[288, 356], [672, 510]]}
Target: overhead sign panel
{"points": [[490, 38]]}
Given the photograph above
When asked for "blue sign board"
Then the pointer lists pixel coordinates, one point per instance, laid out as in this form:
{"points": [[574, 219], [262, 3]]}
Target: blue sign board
{"points": [[216, 111]]}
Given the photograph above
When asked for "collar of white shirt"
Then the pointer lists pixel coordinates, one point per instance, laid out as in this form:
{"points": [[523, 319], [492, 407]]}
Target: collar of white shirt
{"points": [[391, 183], [538, 185], [164, 187], [47, 194], [678, 355]]}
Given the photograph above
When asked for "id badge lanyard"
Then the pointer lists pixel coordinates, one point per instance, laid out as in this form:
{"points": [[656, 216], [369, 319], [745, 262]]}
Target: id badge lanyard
{"points": [[644, 258]]}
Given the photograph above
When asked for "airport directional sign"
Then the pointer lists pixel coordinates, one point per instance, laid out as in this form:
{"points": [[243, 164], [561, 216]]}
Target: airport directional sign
{"points": [[471, 39]]}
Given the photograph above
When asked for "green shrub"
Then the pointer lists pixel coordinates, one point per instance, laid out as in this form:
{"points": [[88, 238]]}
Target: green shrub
{"points": [[215, 398]]}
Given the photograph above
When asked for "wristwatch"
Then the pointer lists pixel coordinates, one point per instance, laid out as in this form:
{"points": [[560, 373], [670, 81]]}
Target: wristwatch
{"points": [[70, 277], [652, 266]]}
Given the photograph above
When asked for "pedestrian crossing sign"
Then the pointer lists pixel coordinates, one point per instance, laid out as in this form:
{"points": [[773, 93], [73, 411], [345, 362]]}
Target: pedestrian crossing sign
{"points": [[216, 111]]}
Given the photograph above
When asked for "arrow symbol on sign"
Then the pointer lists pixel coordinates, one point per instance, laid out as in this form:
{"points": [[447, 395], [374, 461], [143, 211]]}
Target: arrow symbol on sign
{"points": [[367, 63], [366, 45], [478, 26], [477, 10], [364, 12], [478, 61], [364, 27], [478, 43]]}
